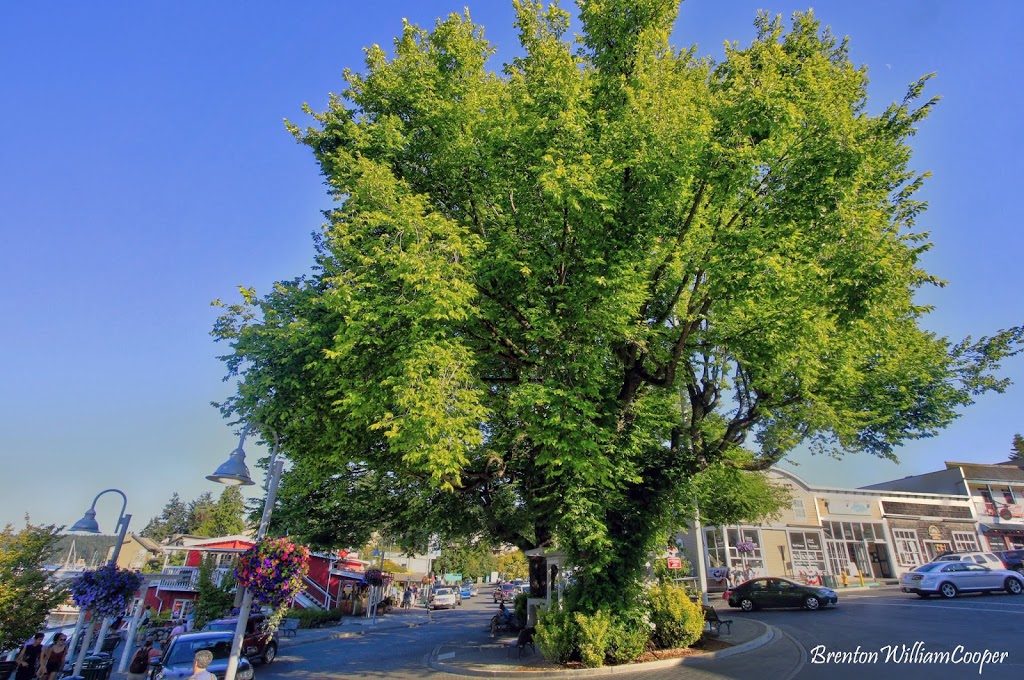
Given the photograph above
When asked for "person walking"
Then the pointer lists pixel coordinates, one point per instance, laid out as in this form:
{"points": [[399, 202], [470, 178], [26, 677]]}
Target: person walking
{"points": [[138, 669], [52, 661], [28, 658]]}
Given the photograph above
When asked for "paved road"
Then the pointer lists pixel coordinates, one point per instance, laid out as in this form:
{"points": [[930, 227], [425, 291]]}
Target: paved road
{"points": [[870, 621], [901, 629]]}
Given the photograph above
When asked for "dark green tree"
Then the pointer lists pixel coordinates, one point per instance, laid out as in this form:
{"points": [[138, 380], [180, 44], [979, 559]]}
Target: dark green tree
{"points": [[202, 516], [525, 271], [27, 593], [228, 515], [213, 600], [1017, 449], [172, 520]]}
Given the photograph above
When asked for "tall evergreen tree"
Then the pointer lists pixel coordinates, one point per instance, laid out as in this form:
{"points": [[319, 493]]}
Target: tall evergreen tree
{"points": [[173, 520], [229, 513], [202, 515], [1017, 450]]}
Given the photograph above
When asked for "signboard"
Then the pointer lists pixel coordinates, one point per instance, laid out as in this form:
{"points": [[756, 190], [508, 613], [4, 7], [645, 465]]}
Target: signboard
{"points": [[675, 563], [838, 507]]}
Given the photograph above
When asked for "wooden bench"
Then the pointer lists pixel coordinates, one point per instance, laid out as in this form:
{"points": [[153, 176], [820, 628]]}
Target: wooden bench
{"points": [[715, 623], [289, 627]]}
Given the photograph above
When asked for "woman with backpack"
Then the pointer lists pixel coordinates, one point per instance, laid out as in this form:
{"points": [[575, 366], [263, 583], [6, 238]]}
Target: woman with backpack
{"points": [[138, 669]]}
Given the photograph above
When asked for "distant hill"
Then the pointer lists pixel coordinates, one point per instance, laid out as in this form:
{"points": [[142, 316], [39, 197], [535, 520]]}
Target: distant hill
{"points": [[90, 550]]}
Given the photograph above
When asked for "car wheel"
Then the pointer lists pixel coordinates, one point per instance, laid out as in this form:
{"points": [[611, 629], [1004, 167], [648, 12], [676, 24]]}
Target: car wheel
{"points": [[747, 605], [947, 590], [812, 603], [1013, 586], [269, 654]]}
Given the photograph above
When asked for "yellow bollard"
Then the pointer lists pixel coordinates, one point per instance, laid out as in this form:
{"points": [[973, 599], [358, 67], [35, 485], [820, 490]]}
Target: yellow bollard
{"points": [[860, 574]]}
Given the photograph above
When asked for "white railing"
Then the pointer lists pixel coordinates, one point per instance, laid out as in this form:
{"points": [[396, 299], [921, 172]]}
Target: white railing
{"points": [[186, 578], [316, 594]]}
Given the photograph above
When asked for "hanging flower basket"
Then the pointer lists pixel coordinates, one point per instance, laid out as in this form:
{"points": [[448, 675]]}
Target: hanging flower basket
{"points": [[273, 570], [746, 546], [374, 577], [107, 591]]}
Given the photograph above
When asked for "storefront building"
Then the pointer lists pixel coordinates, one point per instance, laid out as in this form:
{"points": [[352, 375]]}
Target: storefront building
{"points": [[996, 493], [829, 532]]}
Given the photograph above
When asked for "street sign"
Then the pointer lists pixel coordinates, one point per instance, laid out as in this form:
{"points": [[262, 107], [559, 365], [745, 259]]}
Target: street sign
{"points": [[675, 563]]}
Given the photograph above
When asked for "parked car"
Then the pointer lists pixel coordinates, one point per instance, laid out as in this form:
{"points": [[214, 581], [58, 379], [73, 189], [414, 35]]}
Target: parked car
{"points": [[1013, 559], [444, 598], [258, 643], [950, 578], [779, 592], [986, 559], [176, 661], [506, 592]]}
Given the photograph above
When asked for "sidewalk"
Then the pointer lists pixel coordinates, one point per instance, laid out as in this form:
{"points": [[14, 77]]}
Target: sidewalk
{"points": [[777, 657]]}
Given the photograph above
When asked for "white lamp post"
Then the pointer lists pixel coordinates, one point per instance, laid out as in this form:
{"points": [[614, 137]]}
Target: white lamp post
{"points": [[88, 524], [234, 472]]}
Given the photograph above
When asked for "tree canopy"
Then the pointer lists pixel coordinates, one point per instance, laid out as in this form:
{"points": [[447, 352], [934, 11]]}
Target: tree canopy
{"points": [[27, 593], [557, 293]]}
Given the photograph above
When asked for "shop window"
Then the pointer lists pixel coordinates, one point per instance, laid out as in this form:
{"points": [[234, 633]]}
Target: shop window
{"points": [[908, 550], [965, 541]]}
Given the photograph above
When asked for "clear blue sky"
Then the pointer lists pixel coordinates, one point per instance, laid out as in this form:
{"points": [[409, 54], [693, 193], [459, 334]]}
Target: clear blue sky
{"points": [[145, 171]]}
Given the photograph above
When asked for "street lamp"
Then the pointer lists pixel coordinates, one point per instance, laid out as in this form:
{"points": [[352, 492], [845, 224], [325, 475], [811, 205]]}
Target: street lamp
{"points": [[234, 472], [88, 524]]}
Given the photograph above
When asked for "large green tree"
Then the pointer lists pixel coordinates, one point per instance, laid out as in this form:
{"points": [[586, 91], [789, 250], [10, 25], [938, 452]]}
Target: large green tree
{"points": [[27, 593], [559, 292]]}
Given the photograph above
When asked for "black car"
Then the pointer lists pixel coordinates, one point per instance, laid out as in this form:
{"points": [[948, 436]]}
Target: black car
{"points": [[779, 592], [1013, 559]]}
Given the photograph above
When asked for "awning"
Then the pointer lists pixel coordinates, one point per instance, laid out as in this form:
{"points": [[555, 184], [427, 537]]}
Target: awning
{"points": [[1004, 528]]}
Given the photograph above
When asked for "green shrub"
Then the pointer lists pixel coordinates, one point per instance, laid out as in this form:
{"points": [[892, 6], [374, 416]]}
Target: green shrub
{"points": [[678, 622], [520, 609], [592, 637], [556, 634], [628, 635], [311, 618]]}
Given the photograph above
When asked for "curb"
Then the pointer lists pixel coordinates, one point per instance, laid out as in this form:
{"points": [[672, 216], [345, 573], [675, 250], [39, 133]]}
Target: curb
{"points": [[437, 664]]}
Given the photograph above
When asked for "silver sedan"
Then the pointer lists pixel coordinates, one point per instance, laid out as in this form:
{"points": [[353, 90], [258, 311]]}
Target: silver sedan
{"points": [[949, 579]]}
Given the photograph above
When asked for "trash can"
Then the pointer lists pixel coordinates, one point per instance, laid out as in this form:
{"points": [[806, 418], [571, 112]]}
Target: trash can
{"points": [[97, 667], [829, 581]]}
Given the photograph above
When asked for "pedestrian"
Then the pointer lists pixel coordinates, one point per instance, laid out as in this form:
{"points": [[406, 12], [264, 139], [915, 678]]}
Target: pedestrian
{"points": [[28, 658], [407, 599], [51, 663], [202, 659], [139, 666], [147, 618], [176, 631]]}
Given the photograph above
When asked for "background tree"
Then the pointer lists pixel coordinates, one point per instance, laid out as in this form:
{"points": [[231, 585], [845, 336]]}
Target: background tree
{"points": [[27, 594], [1017, 449], [228, 515], [213, 600], [202, 515], [525, 273], [173, 520], [512, 564]]}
